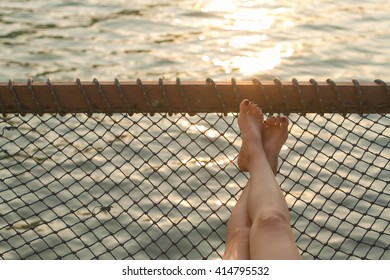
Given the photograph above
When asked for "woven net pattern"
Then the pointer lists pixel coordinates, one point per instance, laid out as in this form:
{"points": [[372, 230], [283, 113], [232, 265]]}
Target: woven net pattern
{"points": [[163, 187]]}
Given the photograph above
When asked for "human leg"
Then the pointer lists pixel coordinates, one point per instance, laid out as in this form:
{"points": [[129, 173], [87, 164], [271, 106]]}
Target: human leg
{"points": [[270, 234], [274, 135], [238, 229]]}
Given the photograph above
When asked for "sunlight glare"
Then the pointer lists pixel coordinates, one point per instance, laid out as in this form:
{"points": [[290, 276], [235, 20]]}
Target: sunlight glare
{"points": [[252, 63], [247, 50], [244, 41], [225, 6], [249, 20]]}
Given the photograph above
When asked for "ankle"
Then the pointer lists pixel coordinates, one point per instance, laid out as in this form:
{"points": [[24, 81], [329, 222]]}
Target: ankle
{"points": [[254, 147], [273, 159]]}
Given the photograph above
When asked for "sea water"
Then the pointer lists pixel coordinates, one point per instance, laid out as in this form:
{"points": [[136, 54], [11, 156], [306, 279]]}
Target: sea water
{"points": [[193, 40]]}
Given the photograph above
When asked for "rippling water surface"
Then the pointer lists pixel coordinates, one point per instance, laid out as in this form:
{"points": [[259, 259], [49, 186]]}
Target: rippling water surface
{"points": [[63, 40], [193, 39]]}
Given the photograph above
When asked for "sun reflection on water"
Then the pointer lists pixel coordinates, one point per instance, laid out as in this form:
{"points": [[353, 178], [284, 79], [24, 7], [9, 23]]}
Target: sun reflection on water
{"points": [[255, 62], [219, 6], [248, 50], [249, 20], [244, 41]]}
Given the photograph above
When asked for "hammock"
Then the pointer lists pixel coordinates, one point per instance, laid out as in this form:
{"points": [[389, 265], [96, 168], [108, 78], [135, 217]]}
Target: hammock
{"points": [[147, 170]]}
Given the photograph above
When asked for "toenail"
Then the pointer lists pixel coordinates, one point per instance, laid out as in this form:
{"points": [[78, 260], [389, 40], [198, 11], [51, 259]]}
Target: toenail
{"points": [[246, 102]]}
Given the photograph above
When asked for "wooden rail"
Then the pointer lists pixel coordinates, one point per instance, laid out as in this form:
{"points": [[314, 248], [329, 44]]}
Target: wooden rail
{"points": [[193, 97]]}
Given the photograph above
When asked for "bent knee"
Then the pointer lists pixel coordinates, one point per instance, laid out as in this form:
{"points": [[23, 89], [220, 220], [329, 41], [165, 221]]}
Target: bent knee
{"points": [[272, 219], [241, 233]]}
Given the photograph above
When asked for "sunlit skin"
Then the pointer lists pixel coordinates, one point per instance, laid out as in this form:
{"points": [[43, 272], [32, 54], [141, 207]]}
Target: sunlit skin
{"points": [[259, 226], [252, 59]]}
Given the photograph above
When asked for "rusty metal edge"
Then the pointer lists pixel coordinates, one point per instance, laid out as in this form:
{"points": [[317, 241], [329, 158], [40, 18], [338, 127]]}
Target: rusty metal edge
{"points": [[193, 97]]}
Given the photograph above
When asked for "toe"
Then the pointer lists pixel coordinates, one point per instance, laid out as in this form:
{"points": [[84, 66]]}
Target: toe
{"points": [[251, 108], [244, 106], [258, 113], [273, 121], [284, 121], [278, 121]]}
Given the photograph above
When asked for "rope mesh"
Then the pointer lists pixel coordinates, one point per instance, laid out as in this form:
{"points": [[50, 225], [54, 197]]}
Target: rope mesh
{"points": [[163, 187]]}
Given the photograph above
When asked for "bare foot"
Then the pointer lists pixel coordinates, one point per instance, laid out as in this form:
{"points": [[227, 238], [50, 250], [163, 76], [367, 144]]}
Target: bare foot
{"points": [[250, 121], [275, 133]]}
